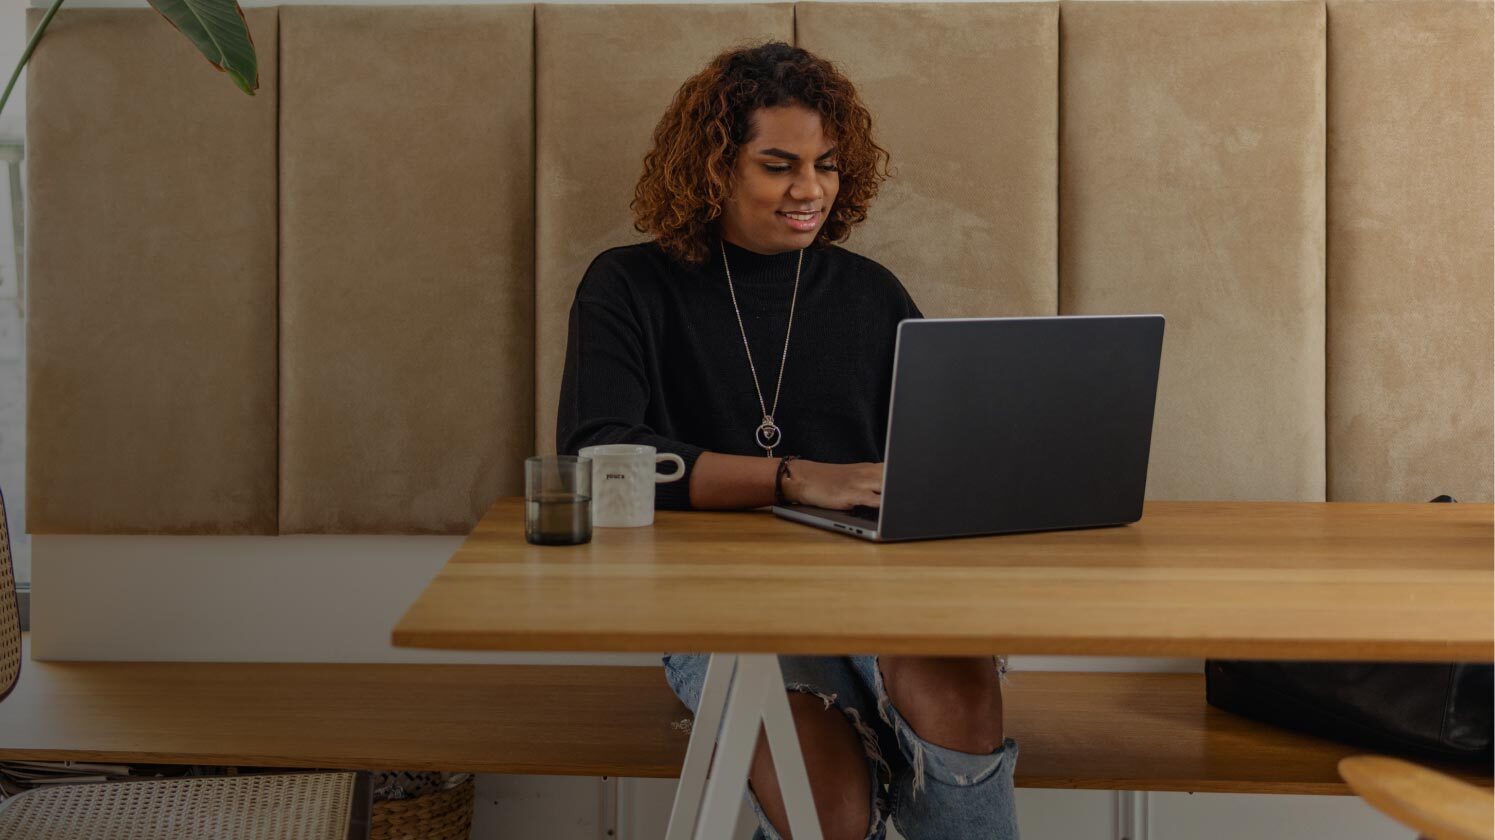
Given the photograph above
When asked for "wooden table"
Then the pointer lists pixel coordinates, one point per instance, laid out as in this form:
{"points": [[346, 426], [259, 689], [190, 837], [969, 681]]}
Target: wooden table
{"points": [[1403, 582]]}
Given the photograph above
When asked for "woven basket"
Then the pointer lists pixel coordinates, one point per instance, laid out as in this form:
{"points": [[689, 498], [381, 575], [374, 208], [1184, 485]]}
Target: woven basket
{"points": [[438, 815]]}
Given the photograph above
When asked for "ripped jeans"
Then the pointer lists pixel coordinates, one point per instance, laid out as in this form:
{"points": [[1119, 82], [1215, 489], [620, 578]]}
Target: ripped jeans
{"points": [[932, 793]]}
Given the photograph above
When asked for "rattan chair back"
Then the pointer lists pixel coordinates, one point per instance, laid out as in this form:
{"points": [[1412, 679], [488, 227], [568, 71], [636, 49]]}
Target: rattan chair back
{"points": [[10, 612]]}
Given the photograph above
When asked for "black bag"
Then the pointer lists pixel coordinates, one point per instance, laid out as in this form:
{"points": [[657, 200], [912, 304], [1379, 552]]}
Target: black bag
{"points": [[1433, 710]]}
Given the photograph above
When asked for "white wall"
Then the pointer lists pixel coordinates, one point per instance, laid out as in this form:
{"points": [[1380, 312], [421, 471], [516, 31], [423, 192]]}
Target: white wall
{"points": [[555, 808], [12, 41], [12, 384], [336, 598], [12, 327]]}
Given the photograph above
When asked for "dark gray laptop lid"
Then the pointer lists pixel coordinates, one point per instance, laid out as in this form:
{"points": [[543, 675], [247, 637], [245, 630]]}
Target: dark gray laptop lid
{"points": [[1019, 424]]}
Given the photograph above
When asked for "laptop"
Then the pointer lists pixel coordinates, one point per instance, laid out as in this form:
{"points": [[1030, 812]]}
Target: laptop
{"points": [[1005, 425]]}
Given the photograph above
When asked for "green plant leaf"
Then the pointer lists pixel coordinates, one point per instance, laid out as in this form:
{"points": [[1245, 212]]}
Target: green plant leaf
{"points": [[219, 30], [26, 56]]}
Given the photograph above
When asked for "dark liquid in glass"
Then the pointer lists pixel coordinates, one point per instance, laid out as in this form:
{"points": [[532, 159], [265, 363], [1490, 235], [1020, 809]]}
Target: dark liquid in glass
{"points": [[563, 519]]}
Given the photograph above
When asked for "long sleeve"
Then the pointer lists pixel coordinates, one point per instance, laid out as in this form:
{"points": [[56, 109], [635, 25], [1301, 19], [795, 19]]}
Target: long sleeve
{"points": [[655, 355], [605, 387]]}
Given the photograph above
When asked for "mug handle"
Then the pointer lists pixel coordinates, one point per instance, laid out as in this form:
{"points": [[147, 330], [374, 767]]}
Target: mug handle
{"points": [[679, 467]]}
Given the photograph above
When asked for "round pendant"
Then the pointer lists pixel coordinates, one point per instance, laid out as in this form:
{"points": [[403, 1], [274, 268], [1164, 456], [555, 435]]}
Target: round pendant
{"points": [[769, 435]]}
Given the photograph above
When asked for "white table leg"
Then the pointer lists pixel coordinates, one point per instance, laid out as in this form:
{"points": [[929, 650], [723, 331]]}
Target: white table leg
{"points": [[756, 698], [734, 754], [788, 761], [719, 671]]}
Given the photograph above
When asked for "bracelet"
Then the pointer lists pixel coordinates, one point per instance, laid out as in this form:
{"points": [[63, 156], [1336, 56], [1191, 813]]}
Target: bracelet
{"points": [[778, 480]]}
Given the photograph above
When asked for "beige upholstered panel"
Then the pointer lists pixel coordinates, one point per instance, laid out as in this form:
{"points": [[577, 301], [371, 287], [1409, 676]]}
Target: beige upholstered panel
{"points": [[1191, 184], [1410, 232], [605, 74], [1187, 154], [151, 260], [964, 97], [406, 261]]}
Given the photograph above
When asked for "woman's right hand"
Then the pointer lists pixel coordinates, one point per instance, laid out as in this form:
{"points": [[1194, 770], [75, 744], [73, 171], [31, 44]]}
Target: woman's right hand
{"points": [[833, 486]]}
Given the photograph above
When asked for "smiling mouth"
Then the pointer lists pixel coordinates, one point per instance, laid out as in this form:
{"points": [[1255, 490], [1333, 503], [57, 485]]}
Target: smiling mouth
{"points": [[801, 222]]}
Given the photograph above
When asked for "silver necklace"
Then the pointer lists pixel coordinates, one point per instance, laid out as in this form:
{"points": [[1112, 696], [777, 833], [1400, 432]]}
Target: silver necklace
{"points": [[768, 435]]}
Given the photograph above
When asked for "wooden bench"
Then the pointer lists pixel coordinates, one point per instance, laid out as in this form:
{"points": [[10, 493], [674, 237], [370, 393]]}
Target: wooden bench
{"points": [[1077, 730]]}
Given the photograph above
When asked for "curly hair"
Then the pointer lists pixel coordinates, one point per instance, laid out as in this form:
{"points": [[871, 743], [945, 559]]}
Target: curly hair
{"points": [[688, 171]]}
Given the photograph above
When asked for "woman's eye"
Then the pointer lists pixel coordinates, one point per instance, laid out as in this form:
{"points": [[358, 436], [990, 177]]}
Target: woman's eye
{"points": [[780, 168], [828, 167]]}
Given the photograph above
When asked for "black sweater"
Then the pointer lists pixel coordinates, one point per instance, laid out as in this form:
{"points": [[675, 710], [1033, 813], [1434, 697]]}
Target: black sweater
{"points": [[655, 356]]}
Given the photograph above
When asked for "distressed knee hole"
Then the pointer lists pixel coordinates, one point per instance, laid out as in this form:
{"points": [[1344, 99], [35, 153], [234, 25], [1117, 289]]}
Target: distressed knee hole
{"points": [[869, 738], [869, 746]]}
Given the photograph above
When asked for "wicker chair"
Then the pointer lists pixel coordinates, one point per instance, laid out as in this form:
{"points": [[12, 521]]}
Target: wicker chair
{"points": [[290, 806]]}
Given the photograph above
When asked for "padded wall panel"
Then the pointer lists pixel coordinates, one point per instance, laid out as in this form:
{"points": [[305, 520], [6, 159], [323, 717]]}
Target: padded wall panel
{"points": [[605, 75], [151, 260], [1410, 250], [1192, 184], [407, 348], [964, 96]]}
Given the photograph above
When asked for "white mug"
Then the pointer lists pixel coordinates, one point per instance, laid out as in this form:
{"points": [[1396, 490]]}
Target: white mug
{"points": [[623, 479]]}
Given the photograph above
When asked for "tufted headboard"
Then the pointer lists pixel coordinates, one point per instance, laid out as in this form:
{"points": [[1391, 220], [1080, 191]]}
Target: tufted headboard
{"points": [[339, 306]]}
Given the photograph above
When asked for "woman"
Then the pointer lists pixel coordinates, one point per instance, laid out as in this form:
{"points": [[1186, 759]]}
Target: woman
{"points": [[741, 331]]}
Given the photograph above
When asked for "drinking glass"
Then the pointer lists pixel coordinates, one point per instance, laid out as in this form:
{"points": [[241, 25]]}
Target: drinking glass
{"points": [[557, 500]]}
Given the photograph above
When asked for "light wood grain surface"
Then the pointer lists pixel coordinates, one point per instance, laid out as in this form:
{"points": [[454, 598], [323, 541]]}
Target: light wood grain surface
{"points": [[1434, 805], [1106, 731], [572, 720], [1097, 731], [1216, 579]]}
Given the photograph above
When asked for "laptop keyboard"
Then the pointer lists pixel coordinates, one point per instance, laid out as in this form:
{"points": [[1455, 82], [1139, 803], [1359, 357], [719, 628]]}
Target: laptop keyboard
{"points": [[864, 512]]}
